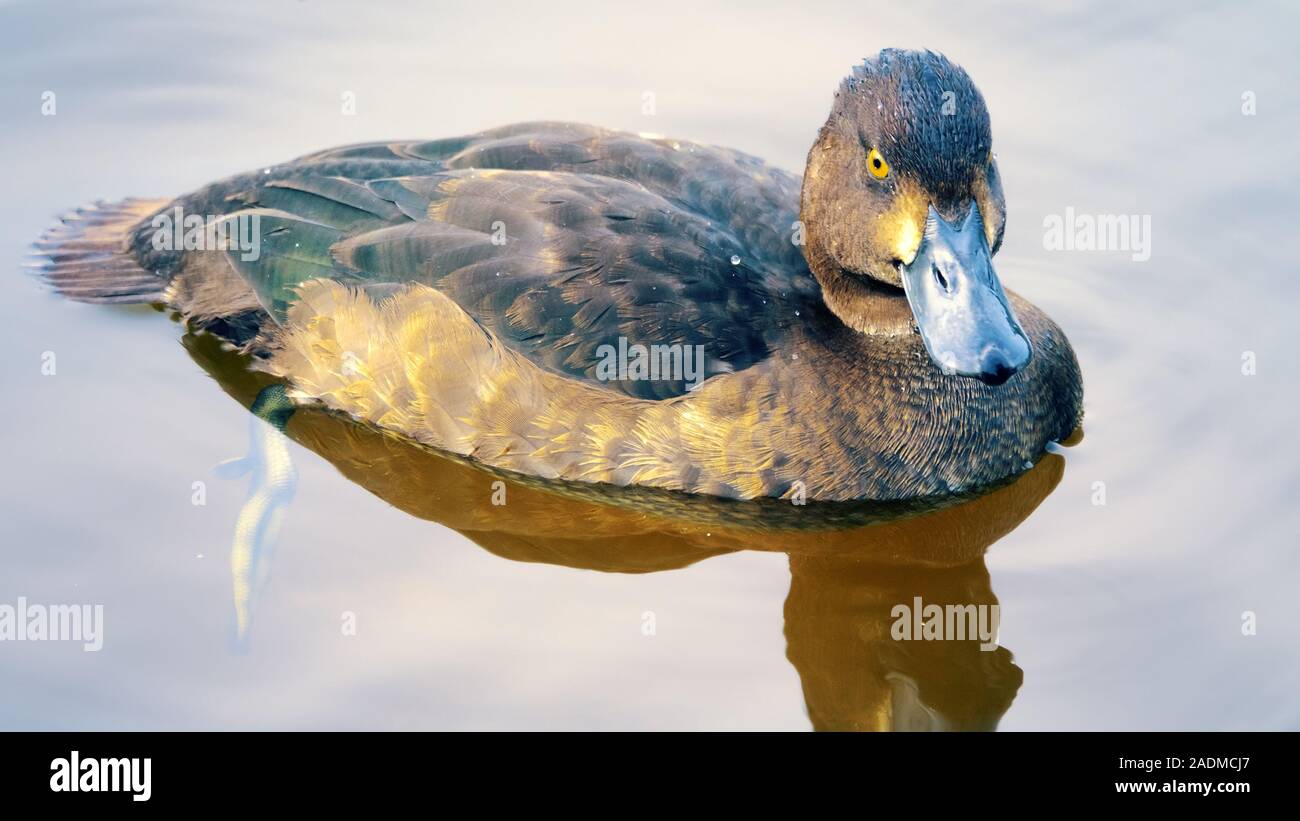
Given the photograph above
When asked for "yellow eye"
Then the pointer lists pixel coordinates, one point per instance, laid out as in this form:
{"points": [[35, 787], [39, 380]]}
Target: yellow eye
{"points": [[875, 162]]}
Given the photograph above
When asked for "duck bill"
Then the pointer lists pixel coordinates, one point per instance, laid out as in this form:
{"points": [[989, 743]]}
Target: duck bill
{"points": [[965, 319]]}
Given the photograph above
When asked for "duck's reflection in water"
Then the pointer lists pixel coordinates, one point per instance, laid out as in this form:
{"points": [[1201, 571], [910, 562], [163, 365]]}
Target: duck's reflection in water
{"points": [[856, 676], [850, 565]]}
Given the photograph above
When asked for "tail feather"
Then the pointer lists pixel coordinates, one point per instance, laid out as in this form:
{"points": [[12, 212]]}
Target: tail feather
{"points": [[87, 258]]}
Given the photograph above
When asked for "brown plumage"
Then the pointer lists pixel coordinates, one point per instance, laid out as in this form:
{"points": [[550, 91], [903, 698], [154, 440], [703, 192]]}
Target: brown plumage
{"points": [[460, 291]]}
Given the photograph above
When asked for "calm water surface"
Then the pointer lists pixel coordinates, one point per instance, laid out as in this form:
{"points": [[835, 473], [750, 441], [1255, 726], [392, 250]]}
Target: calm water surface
{"points": [[1122, 615]]}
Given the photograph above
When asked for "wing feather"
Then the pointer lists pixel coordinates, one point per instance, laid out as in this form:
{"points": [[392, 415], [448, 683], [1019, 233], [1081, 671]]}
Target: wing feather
{"points": [[558, 238]]}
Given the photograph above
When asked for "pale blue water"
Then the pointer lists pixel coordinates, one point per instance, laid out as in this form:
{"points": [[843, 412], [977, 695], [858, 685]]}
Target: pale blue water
{"points": [[1126, 615]]}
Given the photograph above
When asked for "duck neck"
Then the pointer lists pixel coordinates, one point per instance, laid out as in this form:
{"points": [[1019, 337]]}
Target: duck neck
{"points": [[862, 303]]}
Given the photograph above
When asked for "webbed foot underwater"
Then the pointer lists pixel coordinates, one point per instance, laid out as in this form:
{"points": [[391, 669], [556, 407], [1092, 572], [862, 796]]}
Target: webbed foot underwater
{"points": [[857, 343]]}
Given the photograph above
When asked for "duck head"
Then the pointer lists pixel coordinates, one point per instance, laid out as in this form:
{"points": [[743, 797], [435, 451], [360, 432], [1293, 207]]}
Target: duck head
{"points": [[903, 211]]}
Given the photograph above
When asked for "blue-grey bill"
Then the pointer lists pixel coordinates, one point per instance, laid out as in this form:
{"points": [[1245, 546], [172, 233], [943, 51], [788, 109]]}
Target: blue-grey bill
{"points": [[965, 319]]}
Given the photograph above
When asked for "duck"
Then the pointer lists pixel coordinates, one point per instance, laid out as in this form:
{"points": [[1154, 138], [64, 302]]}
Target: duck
{"points": [[584, 305]]}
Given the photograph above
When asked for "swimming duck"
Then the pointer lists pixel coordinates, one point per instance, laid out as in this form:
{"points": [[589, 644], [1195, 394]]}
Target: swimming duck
{"points": [[575, 303]]}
